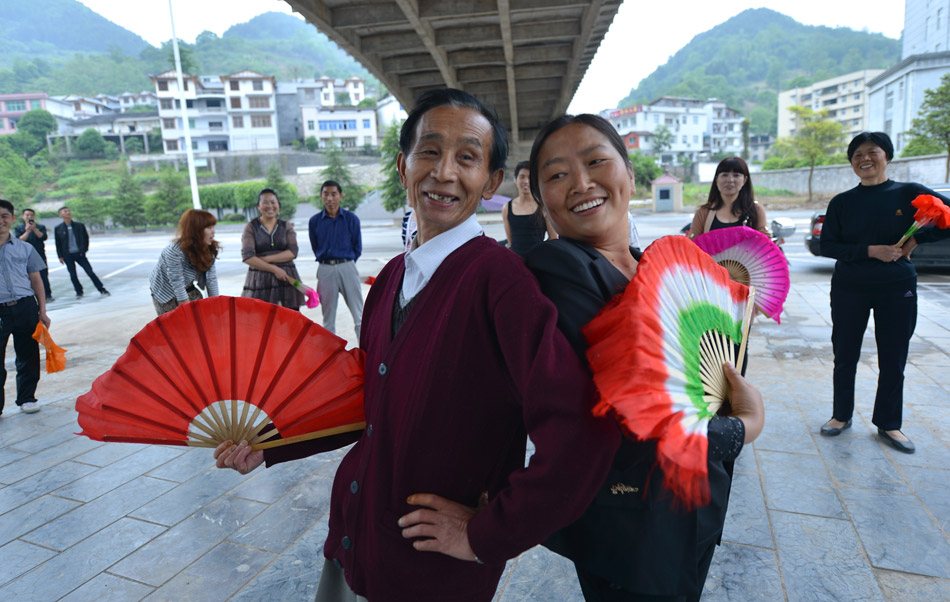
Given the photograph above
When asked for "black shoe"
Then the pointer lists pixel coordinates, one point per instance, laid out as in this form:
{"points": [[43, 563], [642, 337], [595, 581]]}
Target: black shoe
{"points": [[831, 431], [104, 293], [50, 299], [902, 446], [79, 295]]}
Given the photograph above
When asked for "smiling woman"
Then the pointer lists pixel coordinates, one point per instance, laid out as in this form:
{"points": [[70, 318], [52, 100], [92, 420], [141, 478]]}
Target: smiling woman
{"points": [[731, 201]]}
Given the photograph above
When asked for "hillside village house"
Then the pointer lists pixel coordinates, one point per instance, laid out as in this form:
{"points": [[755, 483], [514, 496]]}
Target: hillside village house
{"points": [[318, 102], [228, 112], [698, 126], [13, 106], [129, 100]]}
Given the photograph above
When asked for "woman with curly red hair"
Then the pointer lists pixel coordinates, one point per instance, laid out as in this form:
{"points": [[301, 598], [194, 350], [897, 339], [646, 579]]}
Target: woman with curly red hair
{"points": [[186, 264]]}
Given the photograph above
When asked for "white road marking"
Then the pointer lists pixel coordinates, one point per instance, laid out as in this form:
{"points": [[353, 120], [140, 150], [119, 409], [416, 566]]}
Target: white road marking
{"points": [[120, 270]]}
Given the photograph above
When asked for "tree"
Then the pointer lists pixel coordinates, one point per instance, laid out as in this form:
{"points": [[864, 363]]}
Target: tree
{"points": [[89, 208], [129, 204], [17, 178], [662, 139], [934, 120], [921, 145], [391, 191], [91, 143], [815, 138], [134, 146], [644, 170], [338, 171], [311, 144], [171, 199], [37, 122], [186, 55], [286, 192]]}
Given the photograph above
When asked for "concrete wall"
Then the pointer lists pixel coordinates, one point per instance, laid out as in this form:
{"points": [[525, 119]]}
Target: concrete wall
{"points": [[829, 180]]}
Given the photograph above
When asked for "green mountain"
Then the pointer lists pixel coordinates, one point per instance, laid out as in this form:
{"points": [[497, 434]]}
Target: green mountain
{"points": [[275, 44], [56, 28], [751, 57]]}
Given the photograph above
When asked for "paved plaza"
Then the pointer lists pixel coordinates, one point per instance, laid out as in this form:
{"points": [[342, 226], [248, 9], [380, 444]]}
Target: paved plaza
{"points": [[810, 518]]}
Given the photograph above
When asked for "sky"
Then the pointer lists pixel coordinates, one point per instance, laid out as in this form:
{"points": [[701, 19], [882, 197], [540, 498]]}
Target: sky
{"points": [[643, 36]]}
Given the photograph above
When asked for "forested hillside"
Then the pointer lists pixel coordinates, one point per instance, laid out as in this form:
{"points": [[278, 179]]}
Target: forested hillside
{"points": [[751, 57], [72, 50]]}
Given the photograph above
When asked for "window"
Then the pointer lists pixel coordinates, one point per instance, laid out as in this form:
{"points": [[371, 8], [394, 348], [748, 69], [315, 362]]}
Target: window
{"points": [[191, 123], [856, 110], [889, 100], [310, 125], [235, 85], [684, 140], [36, 104], [165, 103], [77, 106], [194, 145], [168, 124], [237, 121], [260, 121], [213, 103], [695, 138], [326, 97], [656, 118], [16, 105], [258, 85], [366, 125], [338, 124], [163, 85], [215, 126], [186, 85], [258, 102], [310, 94], [171, 145], [857, 96], [190, 104], [348, 142], [856, 122], [695, 119], [235, 102]]}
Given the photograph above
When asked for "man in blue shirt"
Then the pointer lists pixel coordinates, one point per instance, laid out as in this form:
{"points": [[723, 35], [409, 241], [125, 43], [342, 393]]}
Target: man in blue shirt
{"points": [[22, 305], [337, 244]]}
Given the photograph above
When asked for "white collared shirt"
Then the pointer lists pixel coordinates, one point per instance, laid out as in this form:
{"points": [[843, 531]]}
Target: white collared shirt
{"points": [[422, 261]]}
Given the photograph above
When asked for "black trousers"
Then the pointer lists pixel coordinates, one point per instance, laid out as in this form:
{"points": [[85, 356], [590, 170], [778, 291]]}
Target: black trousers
{"points": [[20, 321], [44, 275], [895, 317], [71, 260]]}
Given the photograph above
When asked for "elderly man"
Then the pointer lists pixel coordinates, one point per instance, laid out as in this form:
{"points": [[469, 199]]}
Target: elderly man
{"points": [[463, 360], [22, 305]]}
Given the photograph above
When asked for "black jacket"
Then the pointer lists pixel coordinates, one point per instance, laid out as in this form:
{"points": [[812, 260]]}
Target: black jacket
{"points": [[62, 238], [632, 534], [38, 243]]}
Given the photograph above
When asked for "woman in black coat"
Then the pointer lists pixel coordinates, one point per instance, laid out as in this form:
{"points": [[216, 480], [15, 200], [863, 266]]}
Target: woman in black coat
{"points": [[632, 544]]}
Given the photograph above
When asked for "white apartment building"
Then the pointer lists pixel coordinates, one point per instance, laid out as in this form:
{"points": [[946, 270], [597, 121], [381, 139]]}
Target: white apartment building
{"points": [[229, 112], [324, 92], [926, 27], [698, 126], [844, 97], [347, 127], [389, 111]]}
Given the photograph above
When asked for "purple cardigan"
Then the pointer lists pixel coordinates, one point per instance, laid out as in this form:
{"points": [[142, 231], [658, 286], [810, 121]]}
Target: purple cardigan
{"points": [[478, 364]]}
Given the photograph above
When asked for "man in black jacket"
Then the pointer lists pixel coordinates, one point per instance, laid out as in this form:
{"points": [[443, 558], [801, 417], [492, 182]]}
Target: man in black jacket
{"points": [[72, 242], [35, 234]]}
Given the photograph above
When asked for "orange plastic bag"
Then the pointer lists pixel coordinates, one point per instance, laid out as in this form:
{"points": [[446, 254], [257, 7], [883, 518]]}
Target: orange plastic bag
{"points": [[55, 355]]}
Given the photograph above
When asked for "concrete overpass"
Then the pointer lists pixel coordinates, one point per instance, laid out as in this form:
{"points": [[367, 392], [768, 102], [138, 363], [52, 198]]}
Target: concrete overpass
{"points": [[524, 58]]}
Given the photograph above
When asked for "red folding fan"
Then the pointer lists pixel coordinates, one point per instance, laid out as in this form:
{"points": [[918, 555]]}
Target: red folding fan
{"points": [[657, 352], [224, 368], [751, 258]]}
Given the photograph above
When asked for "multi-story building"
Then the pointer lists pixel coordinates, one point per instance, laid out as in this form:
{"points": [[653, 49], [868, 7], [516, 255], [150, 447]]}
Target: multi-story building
{"points": [[759, 147], [129, 100], [84, 107], [230, 112], [348, 127], [697, 127], [119, 127], [844, 97], [324, 92], [389, 111], [895, 96], [13, 106]]}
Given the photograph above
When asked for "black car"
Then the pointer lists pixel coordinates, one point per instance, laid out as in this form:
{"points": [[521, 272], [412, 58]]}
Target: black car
{"points": [[931, 254]]}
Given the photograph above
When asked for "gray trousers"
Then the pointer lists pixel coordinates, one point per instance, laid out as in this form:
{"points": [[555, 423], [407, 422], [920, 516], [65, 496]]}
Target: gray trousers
{"points": [[335, 279], [333, 587]]}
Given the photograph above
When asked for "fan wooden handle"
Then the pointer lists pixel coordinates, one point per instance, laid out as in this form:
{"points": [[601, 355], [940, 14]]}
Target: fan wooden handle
{"points": [[346, 428]]}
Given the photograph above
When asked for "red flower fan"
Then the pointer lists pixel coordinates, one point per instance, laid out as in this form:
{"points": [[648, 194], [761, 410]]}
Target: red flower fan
{"points": [[224, 368], [751, 258], [657, 354], [930, 210]]}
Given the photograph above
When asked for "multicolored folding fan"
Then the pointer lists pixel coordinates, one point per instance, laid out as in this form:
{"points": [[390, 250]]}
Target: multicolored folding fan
{"points": [[930, 210], [657, 353], [751, 259], [224, 368]]}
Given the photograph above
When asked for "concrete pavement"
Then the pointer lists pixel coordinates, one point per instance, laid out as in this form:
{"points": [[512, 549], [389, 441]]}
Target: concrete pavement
{"points": [[810, 518]]}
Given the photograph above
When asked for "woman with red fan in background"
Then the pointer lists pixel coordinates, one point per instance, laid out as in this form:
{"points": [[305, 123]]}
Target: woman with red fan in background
{"points": [[633, 542], [269, 247], [731, 201], [861, 228], [187, 264]]}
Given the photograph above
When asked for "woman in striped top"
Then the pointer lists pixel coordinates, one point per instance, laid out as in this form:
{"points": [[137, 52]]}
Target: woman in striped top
{"points": [[187, 263]]}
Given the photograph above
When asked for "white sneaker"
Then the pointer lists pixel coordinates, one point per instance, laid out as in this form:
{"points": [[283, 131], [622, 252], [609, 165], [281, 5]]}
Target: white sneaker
{"points": [[30, 407]]}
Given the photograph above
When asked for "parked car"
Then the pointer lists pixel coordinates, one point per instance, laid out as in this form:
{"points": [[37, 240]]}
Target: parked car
{"points": [[931, 254]]}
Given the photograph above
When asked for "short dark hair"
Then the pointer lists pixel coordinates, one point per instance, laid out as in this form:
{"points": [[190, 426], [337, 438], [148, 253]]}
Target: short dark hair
{"points": [[268, 191], [5, 204], [522, 165], [456, 99], [28, 209], [61, 208], [330, 183], [595, 121], [876, 138]]}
